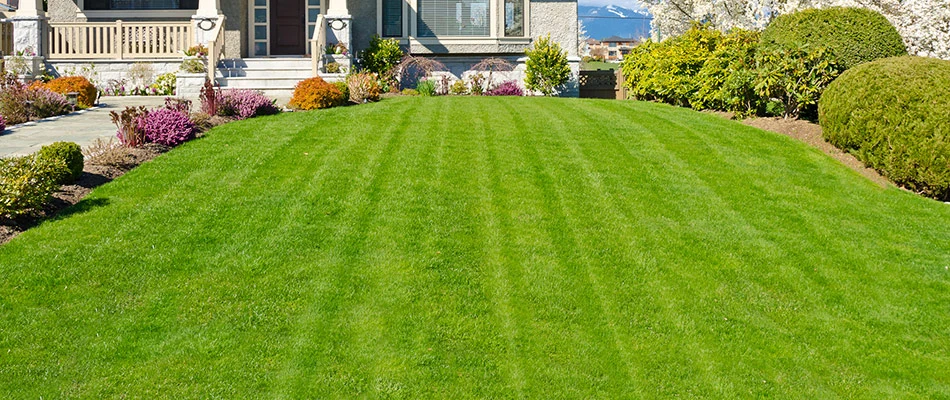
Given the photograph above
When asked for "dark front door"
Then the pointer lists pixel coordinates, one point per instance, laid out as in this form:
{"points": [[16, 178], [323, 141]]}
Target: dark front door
{"points": [[288, 26]]}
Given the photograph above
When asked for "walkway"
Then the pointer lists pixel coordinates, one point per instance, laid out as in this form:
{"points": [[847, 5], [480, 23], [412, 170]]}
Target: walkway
{"points": [[82, 129]]}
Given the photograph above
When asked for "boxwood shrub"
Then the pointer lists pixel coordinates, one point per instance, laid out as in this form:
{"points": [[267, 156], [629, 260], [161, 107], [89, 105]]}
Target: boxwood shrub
{"points": [[66, 154], [894, 115], [853, 35]]}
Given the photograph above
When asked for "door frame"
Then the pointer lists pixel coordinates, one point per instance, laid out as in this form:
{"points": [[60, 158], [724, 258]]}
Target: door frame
{"points": [[251, 24]]}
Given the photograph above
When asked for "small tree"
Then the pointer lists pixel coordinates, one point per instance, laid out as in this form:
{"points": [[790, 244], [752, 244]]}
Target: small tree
{"points": [[382, 57], [547, 68]]}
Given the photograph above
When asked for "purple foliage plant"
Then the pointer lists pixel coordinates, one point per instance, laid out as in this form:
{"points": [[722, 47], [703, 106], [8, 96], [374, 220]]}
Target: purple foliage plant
{"points": [[506, 88], [167, 127], [244, 104]]}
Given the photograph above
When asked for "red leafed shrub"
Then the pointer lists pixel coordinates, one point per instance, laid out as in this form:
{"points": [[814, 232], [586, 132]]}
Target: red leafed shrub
{"points": [[87, 91], [167, 127], [316, 93]]}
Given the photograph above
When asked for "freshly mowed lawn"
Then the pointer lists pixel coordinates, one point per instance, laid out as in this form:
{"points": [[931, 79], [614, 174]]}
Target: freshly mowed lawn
{"points": [[483, 247], [595, 65]]}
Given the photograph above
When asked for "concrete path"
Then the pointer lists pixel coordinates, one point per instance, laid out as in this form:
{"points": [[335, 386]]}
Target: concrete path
{"points": [[81, 128]]}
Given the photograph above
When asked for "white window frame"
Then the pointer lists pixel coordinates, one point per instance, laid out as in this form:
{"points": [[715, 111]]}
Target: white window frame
{"points": [[251, 23], [410, 15]]}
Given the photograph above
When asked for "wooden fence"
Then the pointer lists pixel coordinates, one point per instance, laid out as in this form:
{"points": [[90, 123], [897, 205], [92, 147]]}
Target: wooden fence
{"points": [[119, 40], [602, 84]]}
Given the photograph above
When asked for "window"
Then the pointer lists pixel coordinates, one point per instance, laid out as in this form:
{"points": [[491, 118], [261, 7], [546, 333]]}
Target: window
{"points": [[392, 18], [514, 18], [453, 18], [140, 4]]}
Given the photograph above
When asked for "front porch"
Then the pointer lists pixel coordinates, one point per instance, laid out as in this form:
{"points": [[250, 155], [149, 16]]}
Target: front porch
{"points": [[162, 37]]}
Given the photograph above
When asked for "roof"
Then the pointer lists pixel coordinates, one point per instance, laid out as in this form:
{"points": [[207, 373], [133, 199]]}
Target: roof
{"points": [[618, 39]]}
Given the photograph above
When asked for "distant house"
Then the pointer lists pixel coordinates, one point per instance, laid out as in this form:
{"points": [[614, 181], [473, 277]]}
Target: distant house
{"points": [[617, 47]]}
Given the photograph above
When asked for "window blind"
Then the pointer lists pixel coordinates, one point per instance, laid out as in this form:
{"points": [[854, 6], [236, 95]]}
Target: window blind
{"points": [[453, 18], [141, 4], [392, 18]]}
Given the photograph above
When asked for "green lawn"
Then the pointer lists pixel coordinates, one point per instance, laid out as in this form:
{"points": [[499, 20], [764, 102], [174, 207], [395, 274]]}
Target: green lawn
{"points": [[483, 248], [595, 65]]}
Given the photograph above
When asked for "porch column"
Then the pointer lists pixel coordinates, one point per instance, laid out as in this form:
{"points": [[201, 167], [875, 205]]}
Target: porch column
{"points": [[339, 24], [207, 10], [28, 27]]}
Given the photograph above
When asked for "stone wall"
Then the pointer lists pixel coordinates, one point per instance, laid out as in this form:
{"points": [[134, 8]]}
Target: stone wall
{"points": [[101, 72]]}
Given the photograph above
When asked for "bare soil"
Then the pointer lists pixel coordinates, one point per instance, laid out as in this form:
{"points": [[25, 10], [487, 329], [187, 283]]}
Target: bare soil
{"points": [[92, 177], [810, 133]]}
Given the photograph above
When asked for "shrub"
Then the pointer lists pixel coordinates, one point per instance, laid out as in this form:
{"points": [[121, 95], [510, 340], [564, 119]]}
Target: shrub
{"points": [[477, 84], [894, 115], [726, 80], [181, 105], [87, 91], [3, 124], [47, 103], [795, 76], [316, 93], [410, 92], [363, 87], [26, 185], [127, 122], [547, 68], [167, 127], [852, 35], [65, 154], [209, 97], [245, 103], [193, 66], [426, 88], [333, 68], [458, 88], [165, 84], [109, 154], [344, 88], [506, 88], [381, 57], [669, 71]]}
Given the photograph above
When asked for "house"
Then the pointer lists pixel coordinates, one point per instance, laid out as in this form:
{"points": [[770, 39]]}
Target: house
{"points": [[272, 44], [617, 47]]}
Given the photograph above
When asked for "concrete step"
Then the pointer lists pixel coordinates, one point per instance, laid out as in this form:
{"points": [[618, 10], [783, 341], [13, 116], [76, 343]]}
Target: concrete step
{"points": [[266, 63], [260, 83], [265, 72]]}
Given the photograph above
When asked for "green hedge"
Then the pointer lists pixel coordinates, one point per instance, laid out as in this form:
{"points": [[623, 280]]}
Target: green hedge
{"points": [[894, 115], [853, 35]]}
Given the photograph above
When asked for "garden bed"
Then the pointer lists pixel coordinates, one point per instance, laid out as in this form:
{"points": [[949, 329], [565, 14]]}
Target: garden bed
{"points": [[92, 177]]}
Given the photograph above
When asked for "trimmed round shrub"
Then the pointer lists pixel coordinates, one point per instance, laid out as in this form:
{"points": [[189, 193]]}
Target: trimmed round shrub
{"points": [[67, 84], [66, 154], [26, 184], [167, 127], [316, 93], [853, 35], [894, 115]]}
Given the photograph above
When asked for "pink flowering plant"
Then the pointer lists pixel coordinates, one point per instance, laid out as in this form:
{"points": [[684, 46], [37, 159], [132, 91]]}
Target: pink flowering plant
{"points": [[506, 88], [167, 127], [244, 104]]}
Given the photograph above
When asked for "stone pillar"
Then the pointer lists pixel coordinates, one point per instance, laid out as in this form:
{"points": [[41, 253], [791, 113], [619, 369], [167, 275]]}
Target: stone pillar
{"points": [[28, 27], [340, 24], [207, 10]]}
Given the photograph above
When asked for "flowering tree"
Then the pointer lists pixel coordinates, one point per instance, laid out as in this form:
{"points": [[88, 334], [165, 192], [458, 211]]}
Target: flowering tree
{"points": [[923, 24]]}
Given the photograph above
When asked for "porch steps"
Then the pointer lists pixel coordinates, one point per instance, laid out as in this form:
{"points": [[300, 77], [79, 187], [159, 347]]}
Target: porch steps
{"points": [[276, 77]]}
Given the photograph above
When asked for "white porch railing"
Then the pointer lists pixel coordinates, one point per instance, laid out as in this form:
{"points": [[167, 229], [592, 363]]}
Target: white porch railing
{"points": [[215, 46], [318, 44], [119, 40]]}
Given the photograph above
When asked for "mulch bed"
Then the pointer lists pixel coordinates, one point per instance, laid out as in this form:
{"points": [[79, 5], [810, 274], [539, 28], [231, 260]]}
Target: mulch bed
{"points": [[92, 177], [810, 133]]}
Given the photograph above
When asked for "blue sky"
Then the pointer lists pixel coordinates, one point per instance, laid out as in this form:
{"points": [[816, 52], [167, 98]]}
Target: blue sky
{"points": [[631, 4]]}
